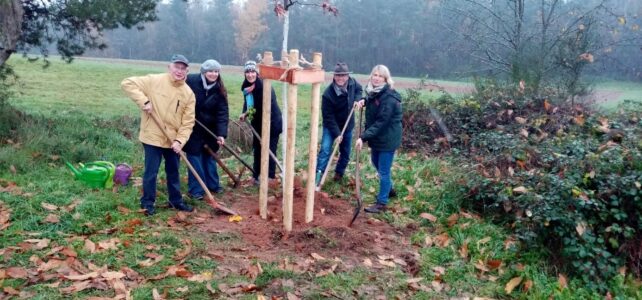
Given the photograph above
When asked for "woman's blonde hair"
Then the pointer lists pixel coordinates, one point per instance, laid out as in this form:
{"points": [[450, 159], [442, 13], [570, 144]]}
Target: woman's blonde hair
{"points": [[383, 71]]}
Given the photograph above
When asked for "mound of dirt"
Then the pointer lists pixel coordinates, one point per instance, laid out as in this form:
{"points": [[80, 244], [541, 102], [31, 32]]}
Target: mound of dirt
{"points": [[328, 234]]}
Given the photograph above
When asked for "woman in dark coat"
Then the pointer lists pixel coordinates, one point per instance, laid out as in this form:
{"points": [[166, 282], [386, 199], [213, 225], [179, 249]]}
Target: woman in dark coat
{"points": [[382, 130], [212, 112], [252, 88]]}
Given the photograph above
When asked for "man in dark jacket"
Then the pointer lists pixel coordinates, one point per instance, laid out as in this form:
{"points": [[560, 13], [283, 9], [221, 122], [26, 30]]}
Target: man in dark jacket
{"points": [[338, 100]]}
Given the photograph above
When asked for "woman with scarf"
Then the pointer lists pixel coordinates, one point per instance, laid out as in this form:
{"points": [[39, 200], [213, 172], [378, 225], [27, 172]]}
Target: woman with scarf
{"points": [[252, 88], [211, 112], [382, 130]]}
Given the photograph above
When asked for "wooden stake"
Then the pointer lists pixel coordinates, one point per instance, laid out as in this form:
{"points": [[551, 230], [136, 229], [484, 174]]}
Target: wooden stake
{"points": [[265, 139], [288, 195], [312, 150]]}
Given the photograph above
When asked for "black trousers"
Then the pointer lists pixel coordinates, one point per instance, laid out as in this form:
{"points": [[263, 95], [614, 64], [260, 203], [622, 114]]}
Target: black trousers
{"points": [[256, 145]]}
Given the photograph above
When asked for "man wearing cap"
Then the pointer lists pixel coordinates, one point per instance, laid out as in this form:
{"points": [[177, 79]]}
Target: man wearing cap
{"points": [[212, 113], [168, 97], [338, 99]]}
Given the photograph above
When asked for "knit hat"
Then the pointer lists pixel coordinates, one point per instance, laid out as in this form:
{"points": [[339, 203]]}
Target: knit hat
{"points": [[179, 58], [210, 65], [250, 65]]}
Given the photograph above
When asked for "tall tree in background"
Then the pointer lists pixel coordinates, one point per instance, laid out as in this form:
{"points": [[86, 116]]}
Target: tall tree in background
{"points": [[249, 25], [72, 26]]}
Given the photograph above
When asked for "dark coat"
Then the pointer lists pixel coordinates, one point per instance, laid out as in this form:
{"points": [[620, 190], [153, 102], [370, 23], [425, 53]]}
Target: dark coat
{"points": [[212, 110], [383, 120], [335, 109], [276, 119]]}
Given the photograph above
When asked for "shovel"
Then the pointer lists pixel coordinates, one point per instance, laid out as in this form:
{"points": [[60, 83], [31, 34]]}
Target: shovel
{"points": [[225, 146], [220, 163], [334, 151], [357, 185], [210, 199]]}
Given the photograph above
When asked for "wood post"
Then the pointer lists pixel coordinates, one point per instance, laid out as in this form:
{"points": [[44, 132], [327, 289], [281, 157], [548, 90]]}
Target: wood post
{"points": [[288, 195], [312, 149], [265, 139]]}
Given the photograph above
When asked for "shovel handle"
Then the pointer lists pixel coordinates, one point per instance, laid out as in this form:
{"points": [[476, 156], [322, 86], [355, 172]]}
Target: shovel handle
{"points": [[223, 166], [357, 186], [334, 151], [225, 146], [210, 198]]}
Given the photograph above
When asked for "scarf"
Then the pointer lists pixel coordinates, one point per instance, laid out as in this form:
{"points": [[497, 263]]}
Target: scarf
{"points": [[372, 90], [340, 90], [249, 98], [206, 86]]}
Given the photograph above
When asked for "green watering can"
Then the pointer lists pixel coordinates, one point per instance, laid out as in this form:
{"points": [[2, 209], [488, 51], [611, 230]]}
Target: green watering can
{"points": [[97, 174]]}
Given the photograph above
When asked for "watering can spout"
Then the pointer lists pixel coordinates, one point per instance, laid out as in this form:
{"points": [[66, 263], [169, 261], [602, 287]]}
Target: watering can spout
{"points": [[73, 169]]}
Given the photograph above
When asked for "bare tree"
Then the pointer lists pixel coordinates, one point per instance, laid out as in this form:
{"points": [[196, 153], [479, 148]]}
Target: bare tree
{"points": [[525, 39]]}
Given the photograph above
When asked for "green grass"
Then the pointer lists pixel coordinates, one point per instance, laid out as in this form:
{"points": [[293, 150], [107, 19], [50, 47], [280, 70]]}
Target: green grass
{"points": [[626, 90], [77, 112]]}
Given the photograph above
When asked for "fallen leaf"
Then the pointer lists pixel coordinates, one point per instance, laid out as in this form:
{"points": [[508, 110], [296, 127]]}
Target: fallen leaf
{"points": [[367, 262], [203, 277], [512, 284], [76, 287], [428, 216], [493, 263], [235, 218], [580, 228], [182, 289], [82, 276], [123, 210], [442, 240], [428, 241], [52, 218], [16, 272], [112, 275], [452, 219], [156, 295], [48, 206], [387, 263], [527, 285], [463, 251], [90, 246], [562, 281], [39, 243], [520, 190], [317, 256]]}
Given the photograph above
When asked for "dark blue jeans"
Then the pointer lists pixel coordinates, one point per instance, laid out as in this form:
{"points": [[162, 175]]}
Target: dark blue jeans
{"points": [[382, 161], [153, 156], [326, 149], [205, 166]]}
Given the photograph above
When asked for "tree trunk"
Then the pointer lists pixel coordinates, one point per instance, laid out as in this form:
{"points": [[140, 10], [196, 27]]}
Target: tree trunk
{"points": [[11, 14]]}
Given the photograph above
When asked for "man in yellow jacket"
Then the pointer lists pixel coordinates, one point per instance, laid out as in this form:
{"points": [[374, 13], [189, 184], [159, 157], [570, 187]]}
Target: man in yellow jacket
{"points": [[168, 97]]}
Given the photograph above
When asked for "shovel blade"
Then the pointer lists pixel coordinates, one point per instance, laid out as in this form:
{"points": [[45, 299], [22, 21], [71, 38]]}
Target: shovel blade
{"points": [[222, 208], [356, 212]]}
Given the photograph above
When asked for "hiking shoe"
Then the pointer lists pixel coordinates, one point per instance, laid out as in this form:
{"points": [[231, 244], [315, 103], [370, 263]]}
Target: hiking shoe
{"points": [[376, 208], [181, 206], [337, 177], [392, 194], [195, 197], [217, 190], [149, 209]]}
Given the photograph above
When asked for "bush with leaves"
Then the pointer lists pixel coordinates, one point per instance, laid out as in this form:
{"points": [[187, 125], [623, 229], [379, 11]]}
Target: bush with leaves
{"points": [[562, 177]]}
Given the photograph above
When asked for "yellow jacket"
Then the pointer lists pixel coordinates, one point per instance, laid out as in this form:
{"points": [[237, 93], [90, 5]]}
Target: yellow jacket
{"points": [[173, 101]]}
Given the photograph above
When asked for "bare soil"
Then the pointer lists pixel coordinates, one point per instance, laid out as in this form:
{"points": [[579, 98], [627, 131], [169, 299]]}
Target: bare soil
{"points": [[327, 235]]}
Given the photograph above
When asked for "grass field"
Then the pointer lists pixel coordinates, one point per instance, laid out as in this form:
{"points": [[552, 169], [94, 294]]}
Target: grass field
{"points": [[60, 239]]}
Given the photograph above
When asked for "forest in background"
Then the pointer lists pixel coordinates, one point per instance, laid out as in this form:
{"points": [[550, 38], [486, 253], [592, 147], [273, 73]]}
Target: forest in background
{"points": [[439, 39]]}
